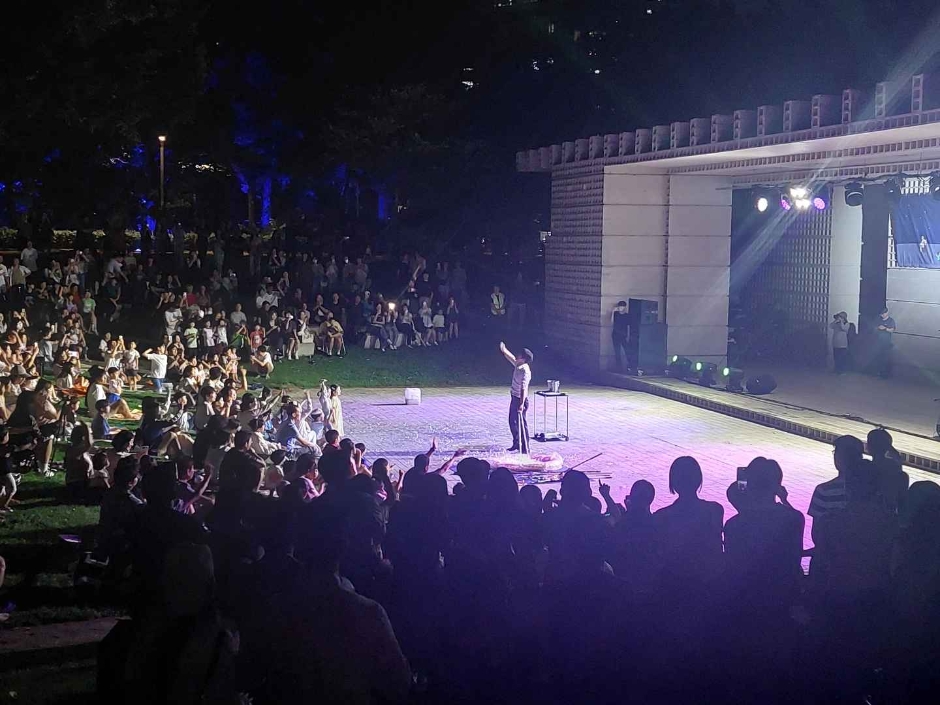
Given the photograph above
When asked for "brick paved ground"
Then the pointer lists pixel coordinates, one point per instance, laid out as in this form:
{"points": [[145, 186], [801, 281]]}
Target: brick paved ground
{"points": [[639, 434]]}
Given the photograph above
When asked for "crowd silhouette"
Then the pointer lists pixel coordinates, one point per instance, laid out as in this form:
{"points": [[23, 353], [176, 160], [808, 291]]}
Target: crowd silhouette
{"points": [[382, 591]]}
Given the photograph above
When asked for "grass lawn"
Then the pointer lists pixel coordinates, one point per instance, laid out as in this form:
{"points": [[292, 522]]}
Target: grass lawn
{"points": [[40, 564], [470, 361], [71, 682]]}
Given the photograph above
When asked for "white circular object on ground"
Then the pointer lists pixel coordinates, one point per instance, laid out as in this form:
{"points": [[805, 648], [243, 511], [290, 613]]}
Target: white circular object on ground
{"points": [[536, 461]]}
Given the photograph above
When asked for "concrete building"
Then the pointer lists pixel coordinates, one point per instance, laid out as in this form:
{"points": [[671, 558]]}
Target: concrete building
{"points": [[651, 214]]}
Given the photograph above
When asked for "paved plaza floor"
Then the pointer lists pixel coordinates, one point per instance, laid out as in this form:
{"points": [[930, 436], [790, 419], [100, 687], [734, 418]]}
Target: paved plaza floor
{"points": [[639, 435]]}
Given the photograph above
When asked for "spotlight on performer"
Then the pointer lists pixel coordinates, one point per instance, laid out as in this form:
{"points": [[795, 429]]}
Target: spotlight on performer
{"points": [[679, 367], [854, 194], [706, 372], [734, 379]]}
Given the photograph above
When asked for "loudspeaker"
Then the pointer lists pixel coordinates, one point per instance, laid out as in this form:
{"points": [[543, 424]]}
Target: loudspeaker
{"points": [[644, 311], [651, 348], [760, 384]]}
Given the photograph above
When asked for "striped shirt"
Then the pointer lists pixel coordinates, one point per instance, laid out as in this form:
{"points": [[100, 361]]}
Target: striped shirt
{"points": [[828, 497]]}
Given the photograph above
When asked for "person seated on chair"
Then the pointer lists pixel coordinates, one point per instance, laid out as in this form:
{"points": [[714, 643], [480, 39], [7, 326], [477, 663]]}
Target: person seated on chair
{"points": [[331, 333], [377, 327]]}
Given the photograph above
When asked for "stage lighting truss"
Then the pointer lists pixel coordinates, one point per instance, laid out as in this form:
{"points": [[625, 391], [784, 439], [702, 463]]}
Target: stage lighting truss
{"points": [[803, 198], [733, 379]]}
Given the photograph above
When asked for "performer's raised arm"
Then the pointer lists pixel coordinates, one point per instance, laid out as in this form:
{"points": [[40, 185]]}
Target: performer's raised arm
{"points": [[507, 354]]}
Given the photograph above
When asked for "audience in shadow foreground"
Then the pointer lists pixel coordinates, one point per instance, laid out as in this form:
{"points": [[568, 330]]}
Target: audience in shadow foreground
{"points": [[338, 588]]}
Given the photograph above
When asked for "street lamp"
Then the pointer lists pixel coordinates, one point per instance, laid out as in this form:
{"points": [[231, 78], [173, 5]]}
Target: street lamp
{"points": [[162, 140]]}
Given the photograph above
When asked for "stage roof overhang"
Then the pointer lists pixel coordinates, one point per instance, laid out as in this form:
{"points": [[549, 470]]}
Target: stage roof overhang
{"points": [[912, 150], [856, 149]]}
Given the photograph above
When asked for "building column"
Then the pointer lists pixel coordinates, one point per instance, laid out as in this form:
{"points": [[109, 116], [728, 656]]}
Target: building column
{"points": [[845, 258], [636, 207], [698, 259]]}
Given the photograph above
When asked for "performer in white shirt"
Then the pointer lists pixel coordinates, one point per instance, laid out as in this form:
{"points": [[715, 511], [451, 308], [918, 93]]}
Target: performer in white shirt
{"points": [[519, 391]]}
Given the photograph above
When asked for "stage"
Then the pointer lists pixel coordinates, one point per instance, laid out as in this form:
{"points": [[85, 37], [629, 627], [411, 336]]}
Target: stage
{"points": [[821, 405], [639, 434]]}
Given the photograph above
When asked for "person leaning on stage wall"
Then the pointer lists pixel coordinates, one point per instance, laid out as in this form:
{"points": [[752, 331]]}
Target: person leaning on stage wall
{"points": [[840, 342]]}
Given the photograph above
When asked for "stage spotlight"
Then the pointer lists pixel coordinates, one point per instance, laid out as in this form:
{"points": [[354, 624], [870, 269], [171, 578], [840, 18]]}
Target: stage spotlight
{"points": [[799, 197], [785, 202], [820, 199], [935, 186], [706, 373], [734, 379], [854, 194], [679, 367], [760, 384], [762, 204]]}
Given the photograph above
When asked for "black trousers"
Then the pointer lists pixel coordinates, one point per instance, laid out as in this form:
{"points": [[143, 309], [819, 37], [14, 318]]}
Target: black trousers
{"points": [[517, 421], [620, 348], [840, 359], [885, 361]]}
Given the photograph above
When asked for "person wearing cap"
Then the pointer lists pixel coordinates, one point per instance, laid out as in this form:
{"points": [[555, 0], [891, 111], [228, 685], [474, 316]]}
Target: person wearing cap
{"points": [[620, 320], [519, 392], [840, 341]]}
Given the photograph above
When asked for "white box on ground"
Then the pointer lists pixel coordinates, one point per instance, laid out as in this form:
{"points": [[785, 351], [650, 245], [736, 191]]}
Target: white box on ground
{"points": [[412, 395]]}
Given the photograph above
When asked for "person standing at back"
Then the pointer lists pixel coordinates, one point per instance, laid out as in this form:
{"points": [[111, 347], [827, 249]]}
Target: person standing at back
{"points": [[840, 342], [620, 320], [886, 329]]}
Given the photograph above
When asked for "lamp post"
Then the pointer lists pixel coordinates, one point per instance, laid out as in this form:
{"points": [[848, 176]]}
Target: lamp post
{"points": [[162, 140]]}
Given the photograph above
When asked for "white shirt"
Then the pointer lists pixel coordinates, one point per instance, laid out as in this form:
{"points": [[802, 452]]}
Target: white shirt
{"points": [[521, 377], [172, 316], [203, 411], [114, 267], [94, 394], [265, 359], [238, 318], [208, 337], [29, 256], [131, 358], [157, 365]]}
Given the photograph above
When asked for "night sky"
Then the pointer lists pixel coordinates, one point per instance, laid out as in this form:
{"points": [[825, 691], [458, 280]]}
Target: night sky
{"points": [[429, 98]]}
